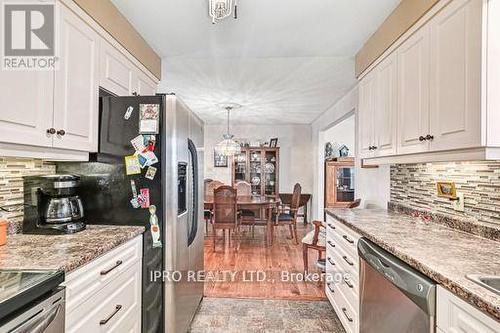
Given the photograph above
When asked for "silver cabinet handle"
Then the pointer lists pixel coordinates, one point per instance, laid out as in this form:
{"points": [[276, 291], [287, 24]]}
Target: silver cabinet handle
{"points": [[348, 261], [331, 261], [105, 321], [344, 310], [331, 244], [331, 226], [349, 284], [51, 131], [106, 271], [330, 287], [61, 132], [348, 239]]}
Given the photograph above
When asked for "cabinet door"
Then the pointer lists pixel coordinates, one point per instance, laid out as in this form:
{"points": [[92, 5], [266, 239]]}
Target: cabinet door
{"points": [[142, 84], [455, 98], [386, 104], [413, 93], [76, 85], [366, 114], [26, 106], [115, 70]]}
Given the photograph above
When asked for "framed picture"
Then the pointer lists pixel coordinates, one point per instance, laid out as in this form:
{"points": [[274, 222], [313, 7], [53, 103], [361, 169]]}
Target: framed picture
{"points": [[220, 160], [343, 151], [273, 143], [446, 190]]}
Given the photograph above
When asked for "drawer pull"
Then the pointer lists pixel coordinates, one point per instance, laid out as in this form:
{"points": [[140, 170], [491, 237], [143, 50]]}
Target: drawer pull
{"points": [[331, 244], [348, 261], [348, 239], [331, 261], [331, 226], [344, 310], [106, 271], [349, 284], [105, 321], [330, 287]]}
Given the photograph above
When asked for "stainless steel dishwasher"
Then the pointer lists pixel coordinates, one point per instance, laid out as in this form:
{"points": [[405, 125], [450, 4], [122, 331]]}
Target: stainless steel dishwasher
{"points": [[393, 296]]}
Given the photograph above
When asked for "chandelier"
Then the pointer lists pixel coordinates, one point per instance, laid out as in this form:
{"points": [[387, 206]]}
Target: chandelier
{"points": [[220, 9], [228, 146]]}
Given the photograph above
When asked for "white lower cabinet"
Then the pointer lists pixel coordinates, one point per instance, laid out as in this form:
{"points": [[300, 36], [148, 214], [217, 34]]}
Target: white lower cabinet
{"points": [[105, 295], [455, 316], [342, 269]]}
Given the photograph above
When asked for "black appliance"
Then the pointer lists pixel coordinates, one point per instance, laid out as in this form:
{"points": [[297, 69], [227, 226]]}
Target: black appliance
{"points": [[32, 301], [52, 205], [107, 191]]}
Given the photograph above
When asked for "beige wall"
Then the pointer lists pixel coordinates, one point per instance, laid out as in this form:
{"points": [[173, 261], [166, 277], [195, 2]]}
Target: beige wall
{"points": [[401, 19], [108, 17], [295, 152]]}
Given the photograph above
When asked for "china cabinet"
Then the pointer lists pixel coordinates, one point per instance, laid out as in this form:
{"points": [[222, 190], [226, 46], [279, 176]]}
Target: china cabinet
{"points": [[339, 182], [258, 166]]}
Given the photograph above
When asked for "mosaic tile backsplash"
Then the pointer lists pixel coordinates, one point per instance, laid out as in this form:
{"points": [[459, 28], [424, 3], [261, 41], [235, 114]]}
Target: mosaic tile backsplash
{"points": [[11, 185], [415, 185]]}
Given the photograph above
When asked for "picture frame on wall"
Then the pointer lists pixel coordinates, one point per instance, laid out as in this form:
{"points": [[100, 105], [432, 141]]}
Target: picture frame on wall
{"points": [[273, 143], [220, 160]]}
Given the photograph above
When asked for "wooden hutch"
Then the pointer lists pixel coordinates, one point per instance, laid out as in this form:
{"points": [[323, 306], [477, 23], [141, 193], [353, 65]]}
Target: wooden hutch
{"points": [[258, 166], [339, 182]]}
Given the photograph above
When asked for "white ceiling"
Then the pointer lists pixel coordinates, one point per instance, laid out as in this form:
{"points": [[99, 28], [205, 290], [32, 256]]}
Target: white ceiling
{"points": [[285, 61]]}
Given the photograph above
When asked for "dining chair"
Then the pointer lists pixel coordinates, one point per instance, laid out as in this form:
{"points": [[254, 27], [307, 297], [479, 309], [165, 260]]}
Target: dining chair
{"points": [[289, 216], [225, 214], [210, 186], [247, 216]]}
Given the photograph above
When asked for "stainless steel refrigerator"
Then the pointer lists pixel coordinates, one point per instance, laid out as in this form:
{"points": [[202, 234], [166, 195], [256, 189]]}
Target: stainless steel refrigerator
{"points": [[175, 189]]}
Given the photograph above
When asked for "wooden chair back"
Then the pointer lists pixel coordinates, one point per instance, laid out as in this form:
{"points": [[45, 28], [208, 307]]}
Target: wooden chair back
{"points": [[295, 204], [243, 189], [210, 186], [225, 207]]}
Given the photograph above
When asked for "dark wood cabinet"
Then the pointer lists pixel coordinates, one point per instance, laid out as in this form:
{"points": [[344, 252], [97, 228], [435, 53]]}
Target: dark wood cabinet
{"points": [[258, 166], [339, 182]]}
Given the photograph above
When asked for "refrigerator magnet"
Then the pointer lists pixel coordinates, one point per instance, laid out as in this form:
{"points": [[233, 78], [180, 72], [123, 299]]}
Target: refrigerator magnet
{"points": [[155, 226], [143, 161], [150, 173], [134, 188], [150, 142], [150, 157], [149, 118], [128, 113], [138, 143], [145, 196], [132, 166]]}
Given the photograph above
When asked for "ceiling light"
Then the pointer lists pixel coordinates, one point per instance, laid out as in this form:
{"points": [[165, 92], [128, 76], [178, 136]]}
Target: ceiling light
{"points": [[228, 146], [220, 9]]}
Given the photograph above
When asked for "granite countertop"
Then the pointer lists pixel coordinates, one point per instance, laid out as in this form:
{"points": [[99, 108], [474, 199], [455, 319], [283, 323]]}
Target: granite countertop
{"points": [[444, 254], [65, 252]]}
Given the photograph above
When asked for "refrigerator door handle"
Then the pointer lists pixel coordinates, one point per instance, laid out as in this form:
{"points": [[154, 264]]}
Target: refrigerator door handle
{"points": [[195, 194]]}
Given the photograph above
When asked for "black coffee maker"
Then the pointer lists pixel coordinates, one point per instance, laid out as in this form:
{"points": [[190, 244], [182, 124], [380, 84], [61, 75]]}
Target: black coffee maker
{"points": [[52, 205]]}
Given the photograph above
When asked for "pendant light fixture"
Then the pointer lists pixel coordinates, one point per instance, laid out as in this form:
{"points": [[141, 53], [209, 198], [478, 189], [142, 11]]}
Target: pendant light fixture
{"points": [[228, 147]]}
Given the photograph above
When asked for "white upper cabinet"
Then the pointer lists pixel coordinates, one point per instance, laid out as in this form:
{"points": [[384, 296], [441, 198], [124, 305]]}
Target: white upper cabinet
{"points": [[115, 70], [385, 107], [142, 84], [439, 77], [26, 107], [366, 115], [413, 93], [455, 87], [76, 85]]}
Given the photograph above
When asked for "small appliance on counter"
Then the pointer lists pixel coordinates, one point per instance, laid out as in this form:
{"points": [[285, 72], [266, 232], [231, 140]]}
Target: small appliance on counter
{"points": [[52, 205], [32, 301]]}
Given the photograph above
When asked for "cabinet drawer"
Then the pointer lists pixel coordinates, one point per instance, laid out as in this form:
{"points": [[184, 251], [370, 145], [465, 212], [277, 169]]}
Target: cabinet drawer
{"points": [[456, 315], [346, 313], [116, 308], [89, 279]]}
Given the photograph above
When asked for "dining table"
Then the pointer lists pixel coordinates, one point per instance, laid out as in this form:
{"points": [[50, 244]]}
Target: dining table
{"points": [[265, 205]]}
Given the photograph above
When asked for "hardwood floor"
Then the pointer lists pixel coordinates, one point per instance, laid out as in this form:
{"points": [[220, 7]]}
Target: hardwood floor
{"points": [[235, 271]]}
